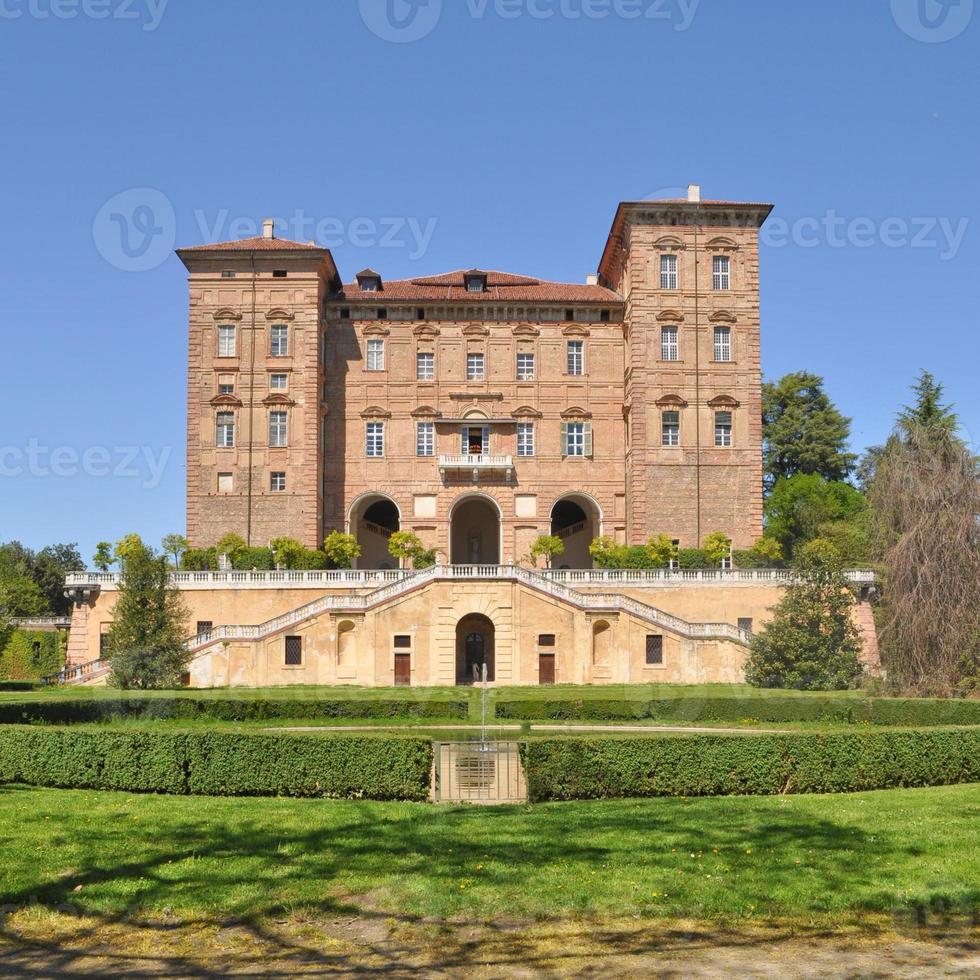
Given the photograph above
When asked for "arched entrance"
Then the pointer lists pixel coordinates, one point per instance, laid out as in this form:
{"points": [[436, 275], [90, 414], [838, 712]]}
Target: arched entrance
{"points": [[474, 532], [474, 648], [373, 520], [575, 519]]}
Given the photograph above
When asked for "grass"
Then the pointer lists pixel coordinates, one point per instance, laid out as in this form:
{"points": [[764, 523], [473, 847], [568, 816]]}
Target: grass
{"points": [[809, 859], [637, 692]]}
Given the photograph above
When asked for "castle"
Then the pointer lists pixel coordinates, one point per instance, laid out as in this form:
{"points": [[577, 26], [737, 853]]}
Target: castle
{"points": [[479, 410]]}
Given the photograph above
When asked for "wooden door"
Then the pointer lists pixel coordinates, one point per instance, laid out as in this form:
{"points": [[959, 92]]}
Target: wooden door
{"points": [[546, 668], [403, 670]]}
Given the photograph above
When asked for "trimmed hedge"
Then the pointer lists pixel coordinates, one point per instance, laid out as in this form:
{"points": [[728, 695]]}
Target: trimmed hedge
{"points": [[875, 711], [734, 765], [219, 763], [220, 709]]}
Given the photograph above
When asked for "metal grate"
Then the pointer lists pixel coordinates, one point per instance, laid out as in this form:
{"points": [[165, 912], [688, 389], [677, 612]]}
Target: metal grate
{"points": [[479, 772]]}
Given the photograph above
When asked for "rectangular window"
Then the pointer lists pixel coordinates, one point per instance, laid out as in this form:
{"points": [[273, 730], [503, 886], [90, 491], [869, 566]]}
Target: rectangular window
{"points": [[226, 483], [723, 343], [746, 624], [546, 640], [226, 340], [475, 367], [721, 272], [103, 644], [294, 651], [525, 367], [655, 651], [403, 643], [668, 271], [575, 439], [278, 437], [279, 274], [723, 429], [525, 438], [279, 344], [226, 389], [204, 626], [225, 430], [278, 382], [425, 439], [669, 349], [375, 355], [672, 428], [278, 483], [576, 357], [375, 439], [425, 366]]}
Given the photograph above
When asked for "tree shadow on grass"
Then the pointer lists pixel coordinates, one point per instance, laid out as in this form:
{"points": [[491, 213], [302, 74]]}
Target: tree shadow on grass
{"points": [[331, 862]]}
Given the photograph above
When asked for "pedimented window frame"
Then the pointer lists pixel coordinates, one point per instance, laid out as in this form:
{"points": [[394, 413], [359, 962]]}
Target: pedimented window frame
{"points": [[375, 412], [671, 401]]}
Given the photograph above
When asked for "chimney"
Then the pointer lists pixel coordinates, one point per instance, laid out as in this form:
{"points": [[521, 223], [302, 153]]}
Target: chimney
{"points": [[268, 228], [694, 193], [592, 280]]}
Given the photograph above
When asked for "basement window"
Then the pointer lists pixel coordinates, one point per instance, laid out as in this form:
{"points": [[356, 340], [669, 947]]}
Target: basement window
{"points": [[655, 651], [279, 274], [228, 274], [294, 651]]}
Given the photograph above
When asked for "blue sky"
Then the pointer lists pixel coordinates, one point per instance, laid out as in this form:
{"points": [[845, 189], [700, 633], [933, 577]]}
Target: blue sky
{"points": [[492, 133]]}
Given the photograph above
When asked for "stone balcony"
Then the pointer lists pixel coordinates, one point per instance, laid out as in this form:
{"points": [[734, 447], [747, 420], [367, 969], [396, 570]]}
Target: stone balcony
{"points": [[479, 466]]}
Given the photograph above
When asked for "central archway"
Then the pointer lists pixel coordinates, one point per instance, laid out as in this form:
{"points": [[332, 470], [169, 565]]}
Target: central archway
{"points": [[577, 520], [474, 531], [373, 519], [475, 636]]}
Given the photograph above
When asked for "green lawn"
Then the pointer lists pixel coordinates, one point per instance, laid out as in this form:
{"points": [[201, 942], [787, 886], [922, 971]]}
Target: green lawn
{"points": [[805, 859], [637, 692]]}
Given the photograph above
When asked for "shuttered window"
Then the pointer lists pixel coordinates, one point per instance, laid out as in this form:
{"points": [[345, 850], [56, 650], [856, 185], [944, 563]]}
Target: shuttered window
{"points": [[576, 439]]}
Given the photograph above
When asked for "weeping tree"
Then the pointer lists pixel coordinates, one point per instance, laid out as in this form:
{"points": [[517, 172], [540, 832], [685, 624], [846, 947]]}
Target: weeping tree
{"points": [[925, 502]]}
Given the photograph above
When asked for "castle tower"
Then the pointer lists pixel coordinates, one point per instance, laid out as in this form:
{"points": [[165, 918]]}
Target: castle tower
{"points": [[254, 380], [688, 271]]}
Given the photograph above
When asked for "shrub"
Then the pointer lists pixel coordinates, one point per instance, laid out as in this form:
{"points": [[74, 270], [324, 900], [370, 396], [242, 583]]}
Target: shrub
{"points": [[717, 547], [768, 710], [811, 643], [219, 763], [548, 547], [730, 765], [31, 655], [341, 549], [247, 559], [692, 558], [221, 709], [200, 560]]}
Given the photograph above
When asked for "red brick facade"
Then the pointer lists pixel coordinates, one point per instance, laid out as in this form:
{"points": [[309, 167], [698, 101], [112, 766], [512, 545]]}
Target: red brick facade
{"points": [[425, 366]]}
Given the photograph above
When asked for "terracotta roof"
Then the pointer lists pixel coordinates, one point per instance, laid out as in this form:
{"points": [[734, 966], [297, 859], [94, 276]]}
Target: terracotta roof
{"points": [[257, 244], [501, 287]]}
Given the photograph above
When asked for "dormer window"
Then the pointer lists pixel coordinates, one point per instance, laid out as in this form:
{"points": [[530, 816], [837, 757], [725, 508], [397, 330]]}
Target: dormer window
{"points": [[476, 281], [369, 281]]}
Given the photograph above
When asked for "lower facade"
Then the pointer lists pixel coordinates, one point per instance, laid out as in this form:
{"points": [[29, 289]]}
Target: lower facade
{"points": [[456, 625]]}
